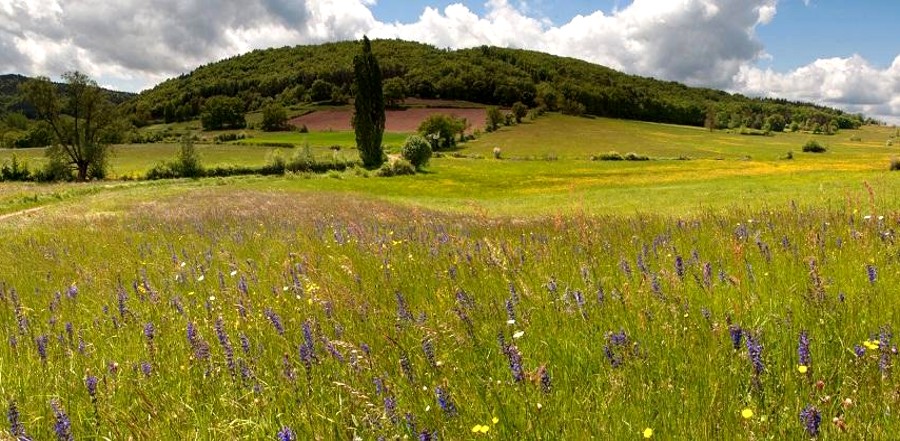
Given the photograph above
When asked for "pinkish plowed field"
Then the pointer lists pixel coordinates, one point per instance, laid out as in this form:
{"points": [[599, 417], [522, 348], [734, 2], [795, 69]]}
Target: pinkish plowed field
{"points": [[397, 120]]}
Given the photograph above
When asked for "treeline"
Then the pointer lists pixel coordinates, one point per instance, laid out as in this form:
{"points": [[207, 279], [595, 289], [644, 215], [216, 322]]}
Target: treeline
{"points": [[487, 75]]}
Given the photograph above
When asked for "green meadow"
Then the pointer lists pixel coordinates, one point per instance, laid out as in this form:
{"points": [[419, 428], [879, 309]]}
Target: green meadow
{"points": [[715, 291]]}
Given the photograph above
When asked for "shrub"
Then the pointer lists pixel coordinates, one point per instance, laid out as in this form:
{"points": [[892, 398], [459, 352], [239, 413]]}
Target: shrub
{"points": [[494, 119], [442, 130], [398, 167], [15, 170], [895, 164], [609, 156], [417, 151], [813, 146], [187, 163], [631, 156], [790, 155]]}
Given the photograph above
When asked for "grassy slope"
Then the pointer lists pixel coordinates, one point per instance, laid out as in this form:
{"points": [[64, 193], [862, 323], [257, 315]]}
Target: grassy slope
{"points": [[719, 177]]}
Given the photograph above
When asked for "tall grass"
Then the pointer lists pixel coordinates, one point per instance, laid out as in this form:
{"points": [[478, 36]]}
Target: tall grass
{"points": [[366, 319]]}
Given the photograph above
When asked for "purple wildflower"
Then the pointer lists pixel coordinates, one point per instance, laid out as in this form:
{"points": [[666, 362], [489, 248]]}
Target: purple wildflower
{"points": [[149, 332], [41, 342], [427, 436], [406, 367], [245, 344], [308, 338], [515, 363], [428, 349], [736, 334], [510, 310], [403, 313], [275, 319], [754, 351], [803, 349], [872, 273], [225, 343], [679, 267], [72, 292], [16, 429], [146, 368], [811, 419], [707, 274], [626, 268], [63, 426], [191, 333], [90, 382], [443, 399], [545, 380], [859, 351], [390, 409], [286, 434]]}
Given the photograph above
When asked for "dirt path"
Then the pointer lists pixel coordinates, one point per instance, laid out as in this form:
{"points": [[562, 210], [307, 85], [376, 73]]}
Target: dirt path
{"points": [[6, 216]]}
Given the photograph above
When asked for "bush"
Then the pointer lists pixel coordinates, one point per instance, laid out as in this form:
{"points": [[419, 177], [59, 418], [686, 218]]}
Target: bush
{"points": [[790, 155], [15, 170], [417, 151], [187, 163], [609, 156], [55, 170], [494, 119], [813, 146], [631, 156], [442, 130], [895, 164], [399, 167]]}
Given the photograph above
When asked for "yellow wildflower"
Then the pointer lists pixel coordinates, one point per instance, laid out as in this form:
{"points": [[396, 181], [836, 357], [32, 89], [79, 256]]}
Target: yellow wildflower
{"points": [[747, 413], [648, 433], [802, 369]]}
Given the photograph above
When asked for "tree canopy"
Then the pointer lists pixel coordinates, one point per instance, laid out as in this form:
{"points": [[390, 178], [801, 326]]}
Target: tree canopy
{"points": [[81, 119], [368, 115]]}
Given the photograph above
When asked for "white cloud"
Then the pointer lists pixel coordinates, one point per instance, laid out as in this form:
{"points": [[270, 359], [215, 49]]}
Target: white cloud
{"points": [[711, 43], [851, 83]]}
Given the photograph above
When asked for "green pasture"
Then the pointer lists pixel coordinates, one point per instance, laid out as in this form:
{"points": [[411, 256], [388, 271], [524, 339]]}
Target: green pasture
{"points": [[546, 168]]}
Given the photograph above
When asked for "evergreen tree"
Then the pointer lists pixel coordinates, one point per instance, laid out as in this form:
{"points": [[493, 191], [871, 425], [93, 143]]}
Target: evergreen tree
{"points": [[368, 118]]}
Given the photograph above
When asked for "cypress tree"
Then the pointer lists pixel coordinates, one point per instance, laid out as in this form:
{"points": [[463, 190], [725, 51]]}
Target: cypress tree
{"points": [[368, 118]]}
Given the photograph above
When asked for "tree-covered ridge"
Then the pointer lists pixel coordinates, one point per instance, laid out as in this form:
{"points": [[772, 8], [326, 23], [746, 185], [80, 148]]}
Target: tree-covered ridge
{"points": [[486, 75], [12, 101]]}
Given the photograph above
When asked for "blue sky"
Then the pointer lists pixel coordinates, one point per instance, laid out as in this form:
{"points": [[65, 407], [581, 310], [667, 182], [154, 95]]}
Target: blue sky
{"points": [[799, 34], [840, 53]]}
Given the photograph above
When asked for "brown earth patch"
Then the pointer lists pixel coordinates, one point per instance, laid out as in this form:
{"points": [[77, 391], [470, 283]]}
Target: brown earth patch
{"points": [[407, 120]]}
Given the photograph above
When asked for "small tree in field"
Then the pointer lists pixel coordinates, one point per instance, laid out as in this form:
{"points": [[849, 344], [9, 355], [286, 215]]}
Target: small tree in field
{"points": [[417, 150], [495, 119], [368, 117], [443, 130], [223, 112], [80, 117], [274, 118], [519, 111]]}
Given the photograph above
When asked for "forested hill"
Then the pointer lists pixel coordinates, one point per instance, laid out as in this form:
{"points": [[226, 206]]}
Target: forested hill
{"points": [[487, 75], [10, 101]]}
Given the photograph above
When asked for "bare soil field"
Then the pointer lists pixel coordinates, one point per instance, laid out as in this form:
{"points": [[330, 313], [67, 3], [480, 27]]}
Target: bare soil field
{"points": [[407, 120]]}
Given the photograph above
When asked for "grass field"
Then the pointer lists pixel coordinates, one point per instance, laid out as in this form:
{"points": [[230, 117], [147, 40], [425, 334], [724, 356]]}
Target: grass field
{"points": [[721, 297]]}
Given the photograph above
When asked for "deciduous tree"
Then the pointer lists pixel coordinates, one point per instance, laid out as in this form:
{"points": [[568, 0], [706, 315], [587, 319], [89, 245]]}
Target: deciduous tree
{"points": [[80, 117]]}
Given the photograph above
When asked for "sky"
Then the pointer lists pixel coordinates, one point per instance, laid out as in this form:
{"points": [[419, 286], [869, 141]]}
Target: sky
{"points": [[839, 53]]}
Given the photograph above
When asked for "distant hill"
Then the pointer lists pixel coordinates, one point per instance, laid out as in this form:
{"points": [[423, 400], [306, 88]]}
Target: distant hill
{"points": [[10, 101], [487, 75]]}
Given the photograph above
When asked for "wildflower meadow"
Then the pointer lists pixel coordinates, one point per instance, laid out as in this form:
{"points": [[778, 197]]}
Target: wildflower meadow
{"points": [[258, 315]]}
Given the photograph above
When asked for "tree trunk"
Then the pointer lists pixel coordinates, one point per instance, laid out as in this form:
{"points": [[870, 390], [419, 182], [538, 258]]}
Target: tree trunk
{"points": [[82, 171]]}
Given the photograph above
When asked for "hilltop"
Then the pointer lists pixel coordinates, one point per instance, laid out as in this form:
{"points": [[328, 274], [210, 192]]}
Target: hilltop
{"points": [[486, 75], [10, 101]]}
